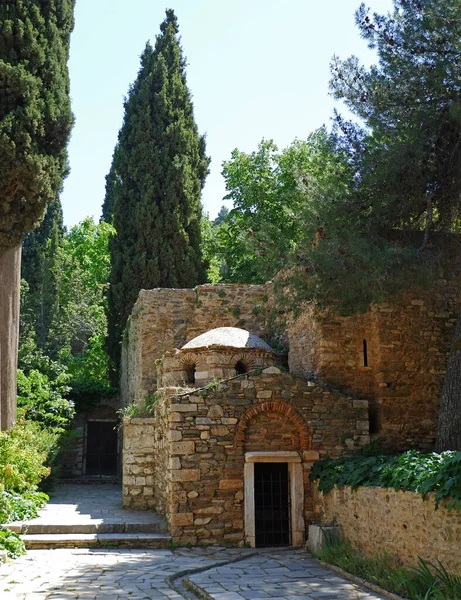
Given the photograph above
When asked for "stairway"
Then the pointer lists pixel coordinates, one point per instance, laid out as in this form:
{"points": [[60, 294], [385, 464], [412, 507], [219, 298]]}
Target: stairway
{"points": [[91, 516]]}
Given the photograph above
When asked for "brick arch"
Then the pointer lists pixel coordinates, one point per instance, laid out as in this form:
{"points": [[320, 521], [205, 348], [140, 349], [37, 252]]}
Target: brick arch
{"points": [[273, 406], [188, 359]]}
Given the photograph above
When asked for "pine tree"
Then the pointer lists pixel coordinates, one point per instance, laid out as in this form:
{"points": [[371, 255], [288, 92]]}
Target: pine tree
{"points": [[408, 158], [159, 170], [35, 122]]}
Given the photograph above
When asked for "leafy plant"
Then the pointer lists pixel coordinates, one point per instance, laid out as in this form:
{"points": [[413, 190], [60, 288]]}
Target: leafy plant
{"points": [[20, 507], [24, 453], [411, 471], [11, 542]]}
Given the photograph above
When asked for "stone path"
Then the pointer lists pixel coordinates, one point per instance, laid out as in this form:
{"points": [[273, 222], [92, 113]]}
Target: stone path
{"points": [[146, 574]]}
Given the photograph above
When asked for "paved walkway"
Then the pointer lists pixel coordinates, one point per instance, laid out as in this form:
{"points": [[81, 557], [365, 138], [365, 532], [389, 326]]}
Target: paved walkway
{"points": [[117, 574], [83, 505], [146, 574]]}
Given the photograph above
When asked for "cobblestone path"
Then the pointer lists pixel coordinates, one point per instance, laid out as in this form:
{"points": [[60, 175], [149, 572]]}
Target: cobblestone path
{"points": [[145, 574]]}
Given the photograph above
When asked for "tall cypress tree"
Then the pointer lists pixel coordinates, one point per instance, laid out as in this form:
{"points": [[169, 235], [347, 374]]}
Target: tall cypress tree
{"points": [[158, 172], [35, 122], [40, 268]]}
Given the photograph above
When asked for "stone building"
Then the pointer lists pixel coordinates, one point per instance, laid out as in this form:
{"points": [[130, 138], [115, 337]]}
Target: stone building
{"points": [[232, 433]]}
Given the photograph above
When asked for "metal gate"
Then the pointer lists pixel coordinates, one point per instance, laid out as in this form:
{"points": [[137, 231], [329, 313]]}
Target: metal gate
{"points": [[272, 504], [101, 448]]}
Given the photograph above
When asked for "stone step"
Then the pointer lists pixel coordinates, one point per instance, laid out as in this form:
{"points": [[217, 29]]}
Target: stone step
{"points": [[96, 540], [158, 526]]}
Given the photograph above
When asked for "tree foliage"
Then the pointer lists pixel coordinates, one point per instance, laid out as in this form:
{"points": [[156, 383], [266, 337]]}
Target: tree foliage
{"points": [[407, 154], [158, 172], [35, 115], [41, 268]]}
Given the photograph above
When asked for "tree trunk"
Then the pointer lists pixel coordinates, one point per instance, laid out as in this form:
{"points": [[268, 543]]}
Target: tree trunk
{"points": [[10, 282], [449, 427]]}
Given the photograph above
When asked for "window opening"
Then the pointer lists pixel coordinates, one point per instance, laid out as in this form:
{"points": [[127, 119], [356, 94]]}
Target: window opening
{"points": [[190, 373], [365, 353], [241, 368]]}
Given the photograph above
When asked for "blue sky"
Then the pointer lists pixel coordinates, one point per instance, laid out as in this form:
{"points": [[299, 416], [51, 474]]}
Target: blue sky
{"points": [[256, 68]]}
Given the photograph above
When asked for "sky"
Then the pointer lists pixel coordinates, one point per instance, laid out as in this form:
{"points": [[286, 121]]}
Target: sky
{"points": [[256, 69]]}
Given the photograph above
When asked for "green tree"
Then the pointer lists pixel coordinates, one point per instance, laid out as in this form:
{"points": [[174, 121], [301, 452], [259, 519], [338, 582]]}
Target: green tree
{"points": [[35, 122], [407, 155], [40, 268], [268, 188], [406, 152], [158, 172], [80, 326]]}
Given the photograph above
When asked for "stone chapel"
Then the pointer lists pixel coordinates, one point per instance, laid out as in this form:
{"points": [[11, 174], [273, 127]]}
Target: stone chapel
{"points": [[235, 425]]}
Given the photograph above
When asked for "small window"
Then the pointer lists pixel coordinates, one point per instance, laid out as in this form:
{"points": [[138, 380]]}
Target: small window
{"points": [[241, 368], [374, 417], [365, 353], [190, 373]]}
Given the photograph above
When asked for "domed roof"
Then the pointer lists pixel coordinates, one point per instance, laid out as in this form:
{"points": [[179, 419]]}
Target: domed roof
{"points": [[228, 336]]}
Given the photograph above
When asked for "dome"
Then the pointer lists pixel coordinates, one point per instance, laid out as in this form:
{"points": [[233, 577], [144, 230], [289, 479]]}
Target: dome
{"points": [[232, 337]]}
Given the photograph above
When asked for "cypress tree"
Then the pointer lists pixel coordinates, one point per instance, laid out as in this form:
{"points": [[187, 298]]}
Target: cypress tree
{"points": [[40, 268], [35, 122], [158, 172]]}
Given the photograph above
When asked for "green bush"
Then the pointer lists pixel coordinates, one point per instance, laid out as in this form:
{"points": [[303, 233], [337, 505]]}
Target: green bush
{"points": [[11, 542], [411, 471], [19, 507], [24, 452]]}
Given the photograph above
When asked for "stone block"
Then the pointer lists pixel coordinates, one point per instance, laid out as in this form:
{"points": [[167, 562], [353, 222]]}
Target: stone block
{"points": [[360, 403], [182, 448], [185, 475], [310, 455], [175, 417], [183, 407], [173, 436], [318, 534], [215, 412], [230, 484], [264, 394], [220, 430], [174, 463], [202, 521], [181, 519]]}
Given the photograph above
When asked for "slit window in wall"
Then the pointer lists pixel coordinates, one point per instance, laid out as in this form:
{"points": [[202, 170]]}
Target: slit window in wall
{"points": [[241, 368], [365, 354], [190, 373]]}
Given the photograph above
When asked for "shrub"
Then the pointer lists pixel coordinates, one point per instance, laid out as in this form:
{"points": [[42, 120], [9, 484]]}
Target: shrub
{"points": [[17, 507], [11, 542], [411, 471], [24, 451]]}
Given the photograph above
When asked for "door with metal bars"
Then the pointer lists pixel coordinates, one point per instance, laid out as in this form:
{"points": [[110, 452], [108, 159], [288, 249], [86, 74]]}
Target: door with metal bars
{"points": [[272, 504]]}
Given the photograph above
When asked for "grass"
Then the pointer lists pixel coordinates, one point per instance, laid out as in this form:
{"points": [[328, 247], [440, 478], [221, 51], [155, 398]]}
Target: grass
{"points": [[426, 581]]}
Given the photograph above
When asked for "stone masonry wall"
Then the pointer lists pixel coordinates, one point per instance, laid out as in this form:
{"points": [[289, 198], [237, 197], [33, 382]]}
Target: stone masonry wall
{"points": [[407, 343], [164, 319], [139, 462], [208, 434], [376, 520]]}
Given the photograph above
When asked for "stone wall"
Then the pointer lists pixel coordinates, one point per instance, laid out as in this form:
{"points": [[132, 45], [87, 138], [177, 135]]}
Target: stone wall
{"points": [[395, 355], [164, 319], [139, 463], [376, 520], [199, 456]]}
